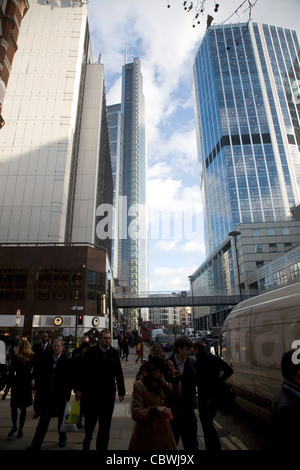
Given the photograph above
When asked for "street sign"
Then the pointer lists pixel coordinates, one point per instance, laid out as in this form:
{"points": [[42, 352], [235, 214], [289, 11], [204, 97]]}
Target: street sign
{"points": [[18, 313]]}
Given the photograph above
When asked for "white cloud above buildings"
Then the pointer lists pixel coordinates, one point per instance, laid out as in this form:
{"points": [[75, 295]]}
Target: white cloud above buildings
{"points": [[165, 41]]}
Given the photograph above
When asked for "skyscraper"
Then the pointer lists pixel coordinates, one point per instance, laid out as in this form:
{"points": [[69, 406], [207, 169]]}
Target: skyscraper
{"points": [[55, 176], [115, 125], [127, 131], [53, 168], [247, 107], [133, 265]]}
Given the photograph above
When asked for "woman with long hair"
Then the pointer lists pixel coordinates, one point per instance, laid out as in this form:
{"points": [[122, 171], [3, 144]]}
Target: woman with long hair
{"points": [[21, 374], [152, 430]]}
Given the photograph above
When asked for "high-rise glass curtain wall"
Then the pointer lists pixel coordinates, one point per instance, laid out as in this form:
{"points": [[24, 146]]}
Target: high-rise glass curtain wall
{"points": [[133, 264], [246, 86]]}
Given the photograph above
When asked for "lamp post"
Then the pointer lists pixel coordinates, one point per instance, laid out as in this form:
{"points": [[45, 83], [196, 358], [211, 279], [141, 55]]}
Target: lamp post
{"points": [[193, 316], [234, 234]]}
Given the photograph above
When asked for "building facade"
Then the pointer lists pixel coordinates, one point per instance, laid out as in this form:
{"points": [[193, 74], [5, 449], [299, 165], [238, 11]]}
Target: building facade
{"points": [[133, 264], [55, 166], [167, 316], [259, 256], [11, 16], [127, 129], [246, 84], [115, 125]]}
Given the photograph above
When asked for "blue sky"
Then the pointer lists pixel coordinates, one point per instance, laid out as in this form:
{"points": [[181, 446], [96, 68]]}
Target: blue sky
{"points": [[166, 42]]}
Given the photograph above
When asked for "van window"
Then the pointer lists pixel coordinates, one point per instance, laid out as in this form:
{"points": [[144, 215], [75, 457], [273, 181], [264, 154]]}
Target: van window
{"points": [[223, 344]]}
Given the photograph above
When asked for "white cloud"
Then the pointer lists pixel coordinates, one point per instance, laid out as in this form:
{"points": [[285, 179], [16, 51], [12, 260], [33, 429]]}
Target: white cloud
{"points": [[172, 279], [166, 43], [164, 245], [194, 246]]}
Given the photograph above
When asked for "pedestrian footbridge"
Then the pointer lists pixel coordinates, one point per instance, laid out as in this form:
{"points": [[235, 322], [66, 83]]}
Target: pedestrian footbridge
{"points": [[183, 299]]}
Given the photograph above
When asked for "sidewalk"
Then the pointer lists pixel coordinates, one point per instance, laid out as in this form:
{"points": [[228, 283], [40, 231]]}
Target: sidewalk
{"points": [[121, 427]]}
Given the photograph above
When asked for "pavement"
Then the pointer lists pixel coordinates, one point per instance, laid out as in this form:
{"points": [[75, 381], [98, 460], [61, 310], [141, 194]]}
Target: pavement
{"points": [[121, 427]]}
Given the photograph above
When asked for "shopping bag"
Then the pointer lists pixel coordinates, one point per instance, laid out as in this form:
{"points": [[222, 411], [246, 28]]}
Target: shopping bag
{"points": [[74, 415], [65, 426]]}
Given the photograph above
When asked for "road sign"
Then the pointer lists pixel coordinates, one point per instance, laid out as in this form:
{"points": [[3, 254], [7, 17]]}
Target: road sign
{"points": [[18, 313]]}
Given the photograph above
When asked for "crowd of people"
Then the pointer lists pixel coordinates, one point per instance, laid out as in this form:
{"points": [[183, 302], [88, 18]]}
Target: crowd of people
{"points": [[165, 395]]}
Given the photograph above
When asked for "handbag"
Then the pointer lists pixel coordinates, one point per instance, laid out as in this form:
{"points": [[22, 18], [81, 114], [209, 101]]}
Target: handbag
{"points": [[226, 397], [74, 415], [65, 426]]}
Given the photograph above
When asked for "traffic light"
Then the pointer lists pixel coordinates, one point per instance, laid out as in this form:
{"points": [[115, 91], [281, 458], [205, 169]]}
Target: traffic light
{"points": [[80, 319]]}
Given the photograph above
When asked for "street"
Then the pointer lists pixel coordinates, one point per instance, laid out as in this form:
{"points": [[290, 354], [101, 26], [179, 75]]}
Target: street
{"points": [[237, 430]]}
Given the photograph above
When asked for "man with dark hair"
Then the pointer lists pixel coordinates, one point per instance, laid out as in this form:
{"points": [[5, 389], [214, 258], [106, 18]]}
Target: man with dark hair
{"points": [[286, 405], [96, 387], [184, 424], [212, 372], [54, 385]]}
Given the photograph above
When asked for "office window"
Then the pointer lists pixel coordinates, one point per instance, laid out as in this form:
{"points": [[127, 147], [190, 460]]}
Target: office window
{"points": [[257, 248], [285, 231], [295, 270], [280, 277], [265, 283], [271, 232], [255, 232], [273, 247]]}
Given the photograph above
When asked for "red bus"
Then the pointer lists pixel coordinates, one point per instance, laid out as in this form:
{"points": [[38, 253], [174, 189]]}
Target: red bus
{"points": [[146, 328]]}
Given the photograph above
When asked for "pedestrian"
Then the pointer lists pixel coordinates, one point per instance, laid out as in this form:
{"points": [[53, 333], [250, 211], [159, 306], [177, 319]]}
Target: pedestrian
{"points": [[85, 342], [42, 349], [125, 349], [152, 430], [184, 424], [285, 415], [77, 361], [139, 350], [120, 343], [212, 372], [96, 387], [22, 370], [156, 350], [54, 384]]}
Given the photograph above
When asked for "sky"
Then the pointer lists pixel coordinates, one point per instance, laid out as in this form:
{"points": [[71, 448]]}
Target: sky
{"points": [[166, 42]]}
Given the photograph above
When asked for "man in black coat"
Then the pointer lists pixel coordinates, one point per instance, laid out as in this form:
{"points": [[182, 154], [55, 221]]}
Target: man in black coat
{"points": [[54, 385], [96, 387], [184, 424], [42, 349], [212, 372]]}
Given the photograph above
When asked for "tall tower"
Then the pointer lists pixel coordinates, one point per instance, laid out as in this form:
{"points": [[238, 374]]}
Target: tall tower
{"points": [[55, 174], [52, 167], [133, 263], [247, 107], [115, 125], [133, 243]]}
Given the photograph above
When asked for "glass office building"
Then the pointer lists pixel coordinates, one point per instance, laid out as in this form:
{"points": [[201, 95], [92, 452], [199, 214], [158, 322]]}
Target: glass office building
{"points": [[115, 126], [133, 242], [246, 89]]}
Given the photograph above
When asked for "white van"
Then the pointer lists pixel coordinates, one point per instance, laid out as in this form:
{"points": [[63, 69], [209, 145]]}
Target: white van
{"points": [[253, 339], [155, 332]]}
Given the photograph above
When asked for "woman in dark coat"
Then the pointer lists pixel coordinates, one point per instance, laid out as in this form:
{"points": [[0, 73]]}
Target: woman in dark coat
{"points": [[21, 374]]}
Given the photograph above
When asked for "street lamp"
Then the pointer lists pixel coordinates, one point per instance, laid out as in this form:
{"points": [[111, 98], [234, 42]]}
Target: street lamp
{"points": [[193, 316], [234, 234]]}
